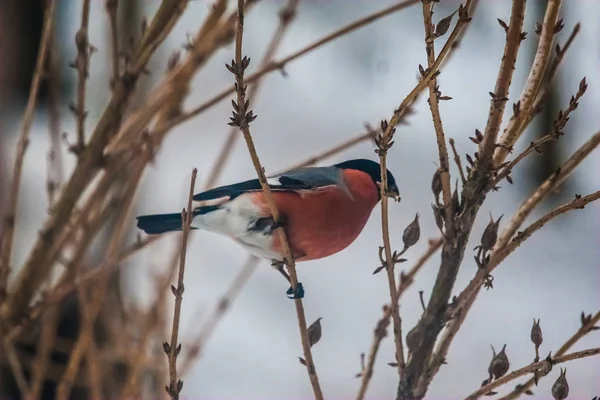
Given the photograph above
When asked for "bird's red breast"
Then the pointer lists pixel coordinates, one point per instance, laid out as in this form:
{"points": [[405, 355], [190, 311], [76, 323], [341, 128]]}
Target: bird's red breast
{"points": [[322, 222]]}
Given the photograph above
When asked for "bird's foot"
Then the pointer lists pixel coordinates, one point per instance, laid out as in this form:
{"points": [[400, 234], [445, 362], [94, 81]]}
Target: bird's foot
{"points": [[280, 223], [297, 293]]}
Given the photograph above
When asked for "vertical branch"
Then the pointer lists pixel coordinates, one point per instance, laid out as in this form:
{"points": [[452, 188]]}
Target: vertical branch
{"points": [[242, 118], [534, 81], [514, 36], [435, 110], [286, 16], [112, 7], [8, 231], [82, 63], [55, 173], [384, 143], [173, 349]]}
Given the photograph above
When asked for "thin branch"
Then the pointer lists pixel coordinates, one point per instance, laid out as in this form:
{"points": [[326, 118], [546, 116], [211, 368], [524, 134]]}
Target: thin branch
{"points": [[173, 349], [81, 64], [242, 118], [551, 74], [45, 345], [10, 219], [404, 283], [112, 8], [435, 110], [530, 369], [286, 16], [15, 366], [385, 143], [463, 179], [55, 170], [534, 81], [557, 130], [514, 36], [581, 332]]}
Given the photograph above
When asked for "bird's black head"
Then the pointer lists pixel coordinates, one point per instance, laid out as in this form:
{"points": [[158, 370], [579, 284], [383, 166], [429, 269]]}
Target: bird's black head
{"points": [[374, 170]]}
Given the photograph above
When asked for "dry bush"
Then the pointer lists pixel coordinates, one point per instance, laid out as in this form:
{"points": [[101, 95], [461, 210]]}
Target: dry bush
{"points": [[66, 333]]}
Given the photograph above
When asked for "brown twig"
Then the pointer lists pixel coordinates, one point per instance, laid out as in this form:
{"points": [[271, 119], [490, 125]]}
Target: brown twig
{"points": [[514, 36], [172, 349], [433, 100], [55, 173], [81, 64], [557, 130], [404, 283], [15, 366], [286, 16], [551, 74], [581, 332], [42, 357], [534, 81], [112, 8], [461, 172], [10, 219], [385, 142], [530, 369], [242, 118]]}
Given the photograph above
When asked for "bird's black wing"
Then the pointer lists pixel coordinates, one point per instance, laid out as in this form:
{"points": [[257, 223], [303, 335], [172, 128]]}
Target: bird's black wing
{"points": [[296, 180]]}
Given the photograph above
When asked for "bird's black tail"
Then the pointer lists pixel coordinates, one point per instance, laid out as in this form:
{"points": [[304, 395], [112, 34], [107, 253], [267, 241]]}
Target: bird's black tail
{"points": [[159, 223]]}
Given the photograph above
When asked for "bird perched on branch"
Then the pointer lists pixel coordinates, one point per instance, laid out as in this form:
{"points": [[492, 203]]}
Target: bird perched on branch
{"points": [[323, 210]]}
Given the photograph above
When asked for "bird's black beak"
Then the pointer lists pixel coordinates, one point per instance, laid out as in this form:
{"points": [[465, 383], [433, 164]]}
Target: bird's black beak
{"points": [[394, 193]]}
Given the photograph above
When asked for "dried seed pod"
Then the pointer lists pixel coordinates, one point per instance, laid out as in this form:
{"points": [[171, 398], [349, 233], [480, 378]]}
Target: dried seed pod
{"points": [[560, 389], [499, 364], [536, 333], [412, 233], [436, 183], [314, 332], [546, 366], [490, 234]]}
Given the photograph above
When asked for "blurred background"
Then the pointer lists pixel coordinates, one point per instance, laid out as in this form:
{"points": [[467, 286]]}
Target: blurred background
{"points": [[325, 98]]}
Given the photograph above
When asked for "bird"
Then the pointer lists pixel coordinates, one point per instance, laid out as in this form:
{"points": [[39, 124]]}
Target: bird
{"points": [[323, 210]]}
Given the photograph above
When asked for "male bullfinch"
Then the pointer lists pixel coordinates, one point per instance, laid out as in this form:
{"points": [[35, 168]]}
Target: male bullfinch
{"points": [[323, 211]]}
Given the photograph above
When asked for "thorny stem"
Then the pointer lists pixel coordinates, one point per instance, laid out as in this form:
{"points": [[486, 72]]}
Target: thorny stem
{"points": [[174, 348], [505, 74], [404, 283], [551, 74], [10, 219], [530, 369], [459, 166], [244, 120], [390, 262], [435, 111], [286, 16], [82, 63], [534, 81], [581, 332]]}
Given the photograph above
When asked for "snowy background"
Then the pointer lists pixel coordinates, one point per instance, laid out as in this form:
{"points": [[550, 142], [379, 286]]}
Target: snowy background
{"points": [[327, 97]]}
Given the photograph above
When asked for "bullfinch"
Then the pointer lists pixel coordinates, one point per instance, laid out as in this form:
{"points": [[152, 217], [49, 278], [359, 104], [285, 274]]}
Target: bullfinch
{"points": [[323, 211]]}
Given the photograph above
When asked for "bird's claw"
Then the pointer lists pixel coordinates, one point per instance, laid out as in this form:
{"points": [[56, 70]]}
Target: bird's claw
{"points": [[297, 293]]}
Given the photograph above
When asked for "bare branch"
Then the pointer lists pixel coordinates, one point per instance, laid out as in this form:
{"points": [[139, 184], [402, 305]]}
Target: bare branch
{"points": [[242, 118], [10, 219], [174, 348]]}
